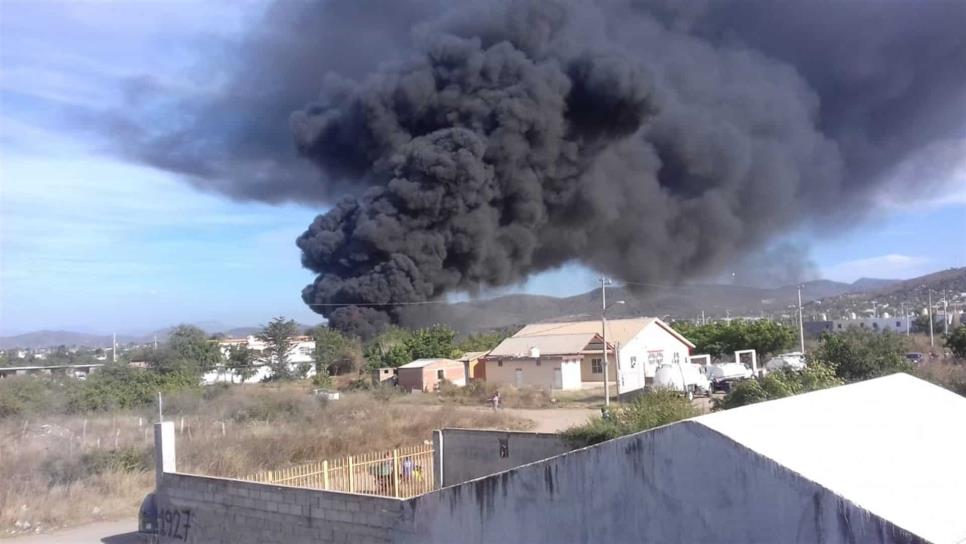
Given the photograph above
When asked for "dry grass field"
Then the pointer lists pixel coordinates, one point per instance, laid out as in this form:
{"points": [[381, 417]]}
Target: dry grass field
{"points": [[58, 471]]}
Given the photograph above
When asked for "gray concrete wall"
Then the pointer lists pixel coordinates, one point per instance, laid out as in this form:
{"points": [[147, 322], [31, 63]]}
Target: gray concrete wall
{"points": [[468, 454], [681, 483], [207, 510]]}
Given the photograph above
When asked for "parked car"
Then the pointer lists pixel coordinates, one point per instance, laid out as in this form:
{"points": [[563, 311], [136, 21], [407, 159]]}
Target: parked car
{"points": [[914, 357], [687, 378], [722, 375]]}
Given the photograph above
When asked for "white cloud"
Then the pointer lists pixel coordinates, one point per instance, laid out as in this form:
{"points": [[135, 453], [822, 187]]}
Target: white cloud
{"points": [[890, 266]]}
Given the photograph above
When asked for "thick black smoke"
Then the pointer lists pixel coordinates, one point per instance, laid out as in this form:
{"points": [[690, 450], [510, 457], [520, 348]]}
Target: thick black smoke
{"points": [[653, 141]]}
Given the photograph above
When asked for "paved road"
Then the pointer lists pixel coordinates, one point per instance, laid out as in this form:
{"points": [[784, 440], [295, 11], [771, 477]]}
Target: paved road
{"points": [[106, 532]]}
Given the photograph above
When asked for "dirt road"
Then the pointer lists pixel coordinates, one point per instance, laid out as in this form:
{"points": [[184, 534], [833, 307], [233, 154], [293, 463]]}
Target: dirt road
{"points": [[552, 420], [107, 532]]}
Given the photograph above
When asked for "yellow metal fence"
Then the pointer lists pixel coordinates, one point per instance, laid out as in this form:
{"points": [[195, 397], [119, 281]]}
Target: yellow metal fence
{"points": [[402, 473]]}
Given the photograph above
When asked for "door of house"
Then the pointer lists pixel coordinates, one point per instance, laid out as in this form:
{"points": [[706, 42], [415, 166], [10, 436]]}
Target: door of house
{"points": [[518, 378], [557, 379]]}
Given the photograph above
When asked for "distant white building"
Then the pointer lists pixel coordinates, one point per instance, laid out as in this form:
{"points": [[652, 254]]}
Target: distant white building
{"points": [[896, 324], [302, 353]]}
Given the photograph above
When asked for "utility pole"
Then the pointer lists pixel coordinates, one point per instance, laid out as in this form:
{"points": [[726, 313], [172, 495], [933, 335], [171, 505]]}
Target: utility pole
{"points": [[875, 310], [155, 342], [929, 314], [703, 321], [603, 327], [945, 315], [902, 308], [801, 321], [114, 347]]}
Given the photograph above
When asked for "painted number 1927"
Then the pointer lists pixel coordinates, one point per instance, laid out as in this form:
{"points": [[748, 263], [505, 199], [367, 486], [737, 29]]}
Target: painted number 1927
{"points": [[174, 524]]}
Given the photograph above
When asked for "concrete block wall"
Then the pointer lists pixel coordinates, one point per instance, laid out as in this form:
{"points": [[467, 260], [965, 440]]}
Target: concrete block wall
{"points": [[466, 454], [211, 510]]}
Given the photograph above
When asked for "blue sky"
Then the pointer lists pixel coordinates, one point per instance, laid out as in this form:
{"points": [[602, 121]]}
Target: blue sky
{"points": [[91, 243]]}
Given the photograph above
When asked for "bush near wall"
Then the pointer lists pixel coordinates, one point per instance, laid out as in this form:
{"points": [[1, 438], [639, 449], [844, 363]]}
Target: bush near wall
{"points": [[648, 411]]}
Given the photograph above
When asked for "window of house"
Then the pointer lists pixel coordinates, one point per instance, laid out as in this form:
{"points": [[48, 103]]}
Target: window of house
{"points": [[596, 366], [633, 362], [499, 363], [898, 324], [676, 358], [440, 374], [538, 361], [655, 357]]}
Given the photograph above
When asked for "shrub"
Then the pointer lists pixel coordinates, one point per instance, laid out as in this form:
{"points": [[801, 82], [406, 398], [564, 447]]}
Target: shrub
{"points": [[646, 412], [22, 395], [950, 376], [779, 384], [126, 388], [857, 355], [956, 342], [67, 470]]}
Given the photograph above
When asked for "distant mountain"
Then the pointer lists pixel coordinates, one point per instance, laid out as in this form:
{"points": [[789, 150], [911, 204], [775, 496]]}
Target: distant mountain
{"points": [[43, 339], [871, 284], [894, 297], [677, 302]]}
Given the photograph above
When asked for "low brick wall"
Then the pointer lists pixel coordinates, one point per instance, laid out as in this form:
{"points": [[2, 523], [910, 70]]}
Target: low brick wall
{"points": [[203, 509]]}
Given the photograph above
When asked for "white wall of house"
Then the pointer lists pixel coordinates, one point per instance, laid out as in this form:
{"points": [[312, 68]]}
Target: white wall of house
{"points": [[653, 346], [302, 352], [551, 373]]}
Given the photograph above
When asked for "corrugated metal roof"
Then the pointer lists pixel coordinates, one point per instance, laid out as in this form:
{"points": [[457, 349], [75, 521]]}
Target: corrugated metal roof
{"points": [[548, 344], [471, 355], [420, 363], [891, 445], [619, 331]]}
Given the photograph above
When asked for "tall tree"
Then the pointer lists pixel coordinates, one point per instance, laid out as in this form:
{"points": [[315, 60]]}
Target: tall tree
{"points": [[278, 337], [334, 352], [764, 336], [188, 349], [241, 361], [435, 342]]}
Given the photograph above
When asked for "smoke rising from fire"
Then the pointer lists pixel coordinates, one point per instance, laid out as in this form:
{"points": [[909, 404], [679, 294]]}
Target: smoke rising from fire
{"points": [[475, 145]]}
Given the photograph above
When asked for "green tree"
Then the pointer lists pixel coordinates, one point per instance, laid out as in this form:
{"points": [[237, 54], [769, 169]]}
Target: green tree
{"points": [[278, 338], [723, 338], [956, 342], [857, 354], [242, 361], [334, 353], [187, 349], [388, 349], [780, 384], [437, 341], [482, 341]]}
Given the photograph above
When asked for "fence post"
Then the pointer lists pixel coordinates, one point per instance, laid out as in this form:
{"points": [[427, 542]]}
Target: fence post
{"points": [[325, 475], [395, 473], [352, 487]]}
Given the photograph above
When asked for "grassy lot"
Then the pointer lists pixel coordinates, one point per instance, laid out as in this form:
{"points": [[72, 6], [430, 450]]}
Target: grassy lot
{"points": [[58, 471]]}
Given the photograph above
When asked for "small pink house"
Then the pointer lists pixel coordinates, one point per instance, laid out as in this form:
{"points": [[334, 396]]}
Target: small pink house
{"points": [[425, 374]]}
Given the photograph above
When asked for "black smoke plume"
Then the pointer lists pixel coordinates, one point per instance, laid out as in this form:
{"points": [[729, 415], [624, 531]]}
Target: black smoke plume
{"points": [[480, 143]]}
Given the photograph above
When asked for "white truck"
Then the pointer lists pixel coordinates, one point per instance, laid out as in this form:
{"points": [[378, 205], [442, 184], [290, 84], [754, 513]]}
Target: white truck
{"points": [[686, 378], [794, 361], [722, 375]]}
